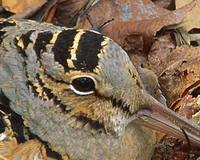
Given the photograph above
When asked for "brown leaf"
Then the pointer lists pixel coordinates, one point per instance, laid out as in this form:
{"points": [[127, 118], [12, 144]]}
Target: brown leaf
{"points": [[168, 4], [51, 14], [192, 19], [177, 68], [131, 16], [29, 150], [69, 11], [179, 77], [188, 106], [170, 148], [160, 53], [22, 8], [181, 72], [133, 44]]}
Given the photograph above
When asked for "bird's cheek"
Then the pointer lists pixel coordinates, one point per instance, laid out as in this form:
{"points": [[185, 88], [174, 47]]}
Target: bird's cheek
{"points": [[117, 125], [105, 90]]}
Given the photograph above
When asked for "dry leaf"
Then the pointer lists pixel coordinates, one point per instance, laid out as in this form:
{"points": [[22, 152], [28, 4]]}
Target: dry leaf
{"points": [[192, 20], [179, 77], [171, 148], [168, 4], [177, 68], [69, 11], [22, 8], [141, 16], [160, 52], [181, 73], [45, 13], [189, 106], [134, 44], [32, 149]]}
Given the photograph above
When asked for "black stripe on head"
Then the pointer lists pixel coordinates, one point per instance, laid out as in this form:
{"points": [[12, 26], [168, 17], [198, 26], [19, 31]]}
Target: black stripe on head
{"points": [[16, 121], [62, 47], [26, 38], [88, 49], [32, 88], [4, 24], [2, 36], [121, 105], [50, 95], [2, 122], [42, 40]]}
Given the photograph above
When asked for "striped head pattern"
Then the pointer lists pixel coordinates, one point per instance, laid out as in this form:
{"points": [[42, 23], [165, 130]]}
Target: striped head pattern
{"points": [[87, 75]]}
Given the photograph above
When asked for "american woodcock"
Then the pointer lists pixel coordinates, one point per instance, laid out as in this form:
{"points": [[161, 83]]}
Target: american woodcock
{"points": [[77, 94]]}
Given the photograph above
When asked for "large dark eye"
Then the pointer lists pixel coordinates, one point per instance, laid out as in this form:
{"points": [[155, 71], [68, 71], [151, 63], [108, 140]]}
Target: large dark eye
{"points": [[83, 85]]}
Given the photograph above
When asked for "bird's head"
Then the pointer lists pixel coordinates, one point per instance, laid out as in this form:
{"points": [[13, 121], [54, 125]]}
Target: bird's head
{"points": [[93, 80]]}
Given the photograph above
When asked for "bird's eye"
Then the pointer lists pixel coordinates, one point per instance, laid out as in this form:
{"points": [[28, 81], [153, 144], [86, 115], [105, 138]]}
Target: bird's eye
{"points": [[83, 85]]}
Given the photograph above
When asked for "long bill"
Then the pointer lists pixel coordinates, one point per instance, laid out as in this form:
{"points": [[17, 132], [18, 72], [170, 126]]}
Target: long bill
{"points": [[157, 116]]}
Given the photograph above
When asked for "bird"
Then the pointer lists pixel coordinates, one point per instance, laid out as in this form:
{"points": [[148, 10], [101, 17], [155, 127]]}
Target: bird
{"points": [[74, 94]]}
